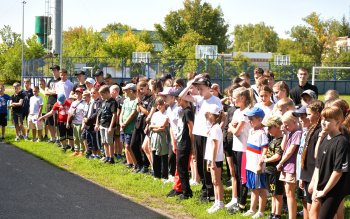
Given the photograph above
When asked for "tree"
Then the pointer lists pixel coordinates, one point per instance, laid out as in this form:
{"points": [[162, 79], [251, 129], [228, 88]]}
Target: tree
{"points": [[255, 38], [197, 17], [116, 27], [8, 36], [343, 28], [316, 37]]}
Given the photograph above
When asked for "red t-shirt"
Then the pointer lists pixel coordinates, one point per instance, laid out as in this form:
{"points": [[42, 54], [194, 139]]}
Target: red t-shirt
{"points": [[62, 110]]}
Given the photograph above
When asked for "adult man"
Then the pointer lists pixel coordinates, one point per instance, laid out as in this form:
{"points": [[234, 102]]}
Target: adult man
{"points": [[99, 79], [50, 91], [108, 80], [80, 84], [295, 93]]}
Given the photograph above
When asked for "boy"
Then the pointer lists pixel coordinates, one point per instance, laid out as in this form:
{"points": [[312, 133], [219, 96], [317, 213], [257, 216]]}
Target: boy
{"points": [[28, 93], [17, 110], [284, 105], [106, 122], [256, 149], [4, 98], [61, 107], [64, 86], [272, 158], [118, 148], [35, 108]]}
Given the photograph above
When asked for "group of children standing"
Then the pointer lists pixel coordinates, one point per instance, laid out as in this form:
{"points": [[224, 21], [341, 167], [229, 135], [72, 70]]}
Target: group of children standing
{"points": [[269, 144]]}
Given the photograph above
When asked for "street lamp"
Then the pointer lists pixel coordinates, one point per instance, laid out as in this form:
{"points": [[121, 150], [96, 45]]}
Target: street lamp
{"points": [[23, 2]]}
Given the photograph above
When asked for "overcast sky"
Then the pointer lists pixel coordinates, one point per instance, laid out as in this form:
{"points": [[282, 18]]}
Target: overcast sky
{"points": [[142, 14]]}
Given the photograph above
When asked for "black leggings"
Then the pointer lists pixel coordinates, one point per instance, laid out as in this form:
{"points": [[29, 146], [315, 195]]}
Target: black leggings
{"points": [[160, 165], [242, 190]]}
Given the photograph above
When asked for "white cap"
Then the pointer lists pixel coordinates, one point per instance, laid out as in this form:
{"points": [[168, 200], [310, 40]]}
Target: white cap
{"points": [[130, 86], [167, 90], [213, 109], [90, 80]]}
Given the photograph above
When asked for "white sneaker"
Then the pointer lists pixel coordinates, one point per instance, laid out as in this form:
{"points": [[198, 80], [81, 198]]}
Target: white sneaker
{"points": [[230, 204], [258, 215], [193, 183], [211, 208], [216, 208], [17, 138], [248, 213]]}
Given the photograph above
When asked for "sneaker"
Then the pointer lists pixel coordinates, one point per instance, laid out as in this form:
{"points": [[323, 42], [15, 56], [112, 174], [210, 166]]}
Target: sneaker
{"points": [[111, 161], [34, 140], [25, 138], [258, 215], [193, 183], [51, 141], [211, 208], [183, 197], [39, 140], [106, 160], [45, 138], [129, 166], [137, 169], [248, 213], [57, 142], [216, 208], [118, 157], [271, 216], [277, 217], [144, 170], [17, 138], [230, 204], [3, 139], [234, 209], [173, 193], [103, 159]]}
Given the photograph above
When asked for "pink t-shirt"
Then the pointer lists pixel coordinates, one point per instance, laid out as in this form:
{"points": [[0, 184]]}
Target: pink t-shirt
{"points": [[293, 139]]}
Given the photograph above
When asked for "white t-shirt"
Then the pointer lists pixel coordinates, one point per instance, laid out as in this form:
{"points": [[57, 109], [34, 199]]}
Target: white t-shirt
{"points": [[173, 114], [200, 126], [267, 110], [34, 104], [64, 87], [256, 93], [77, 109], [257, 140], [214, 133], [240, 142], [159, 118]]}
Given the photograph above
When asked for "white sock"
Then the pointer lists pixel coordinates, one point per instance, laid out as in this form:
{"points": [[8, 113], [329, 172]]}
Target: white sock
{"points": [[221, 203], [234, 200]]}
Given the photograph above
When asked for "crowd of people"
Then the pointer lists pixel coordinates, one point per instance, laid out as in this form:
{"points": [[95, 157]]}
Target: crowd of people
{"points": [[274, 140]]}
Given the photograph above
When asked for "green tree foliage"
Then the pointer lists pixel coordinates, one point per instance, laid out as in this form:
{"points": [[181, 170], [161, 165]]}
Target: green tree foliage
{"points": [[343, 28], [197, 17], [258, 37], [316, 37], [115, 27]]}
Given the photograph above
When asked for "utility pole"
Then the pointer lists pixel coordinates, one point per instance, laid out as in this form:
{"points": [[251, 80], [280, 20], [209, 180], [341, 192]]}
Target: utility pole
{"points": [[23, 2]]}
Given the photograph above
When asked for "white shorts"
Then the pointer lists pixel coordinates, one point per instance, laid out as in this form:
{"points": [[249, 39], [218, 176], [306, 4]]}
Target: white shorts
{"points": [[105, 137], [33, 122]]}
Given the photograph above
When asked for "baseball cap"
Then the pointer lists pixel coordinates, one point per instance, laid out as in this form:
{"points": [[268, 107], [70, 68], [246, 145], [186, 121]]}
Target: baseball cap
{"points": [[167, 91], [130, 86], [176, 93], [80, 73], [61, 99], [255, 111], [79, 89], [90, 80], [311, 93], [98, 73], [55, 67], [213, 109], [202, 81], [273, 121], [300, 111], [108, 76]]}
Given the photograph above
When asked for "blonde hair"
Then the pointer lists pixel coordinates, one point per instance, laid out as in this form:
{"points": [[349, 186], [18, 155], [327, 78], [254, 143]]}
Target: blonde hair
{"points": [[281, 85], [289, 117], [115, 88], [247, 93], [286, 103]]}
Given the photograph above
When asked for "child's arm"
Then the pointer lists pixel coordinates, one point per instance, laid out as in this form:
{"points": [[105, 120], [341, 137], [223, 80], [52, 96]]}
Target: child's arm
{"points": [[128, 120], [46, 115], [274, 158], [190, 129], [215, 147], [150, 114], [113, 122], [290, 151], [236, 130], [97, 124], [40, 109], [314, 185], [184, 94], [20, 103], [159, 128]]}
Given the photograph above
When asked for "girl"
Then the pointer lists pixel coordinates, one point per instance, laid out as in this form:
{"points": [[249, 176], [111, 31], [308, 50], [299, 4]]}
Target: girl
{"points": [[159, 141], [281, 90], [265, 93], [239, 127], [331, 163], [313, 112], [214, 154], [290, 145]]}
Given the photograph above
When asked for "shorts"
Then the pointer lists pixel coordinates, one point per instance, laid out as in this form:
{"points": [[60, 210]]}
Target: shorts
{"points": [[274, 185], [125, 138], [17, 118], [105, 137], [3, 119], [307, 195], [33, 122], [52, 120], [228, 148], [117, 131], [64, 132], [255, 181], [25, 115], [91, 140], [287, 177]]}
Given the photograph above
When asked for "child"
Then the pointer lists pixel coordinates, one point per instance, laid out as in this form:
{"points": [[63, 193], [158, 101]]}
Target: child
{"points": [[106, 122], [214, 154], [42, 87], [239, 127], [273, 156], [331, 163], [17, 111], [284, 105], [75, 119], [118, 148], [184, 144], [158, 140], [287, 165], [35, 107], [61, 107], [127, 121], [28, 93], [331, 95], [255, 172], [265, 93], [4, 99], [87, 136], [280, 90], [307, 97]]}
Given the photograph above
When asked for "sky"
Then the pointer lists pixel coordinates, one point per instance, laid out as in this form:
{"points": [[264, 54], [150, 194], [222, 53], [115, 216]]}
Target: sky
{"points": [[143, 14]]}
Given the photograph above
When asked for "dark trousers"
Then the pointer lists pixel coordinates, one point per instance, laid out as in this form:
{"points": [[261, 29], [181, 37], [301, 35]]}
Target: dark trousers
{"points": [[242, 190], [136, 142], [182, 161], [160, 166], [207, 188], [172, 162]]}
